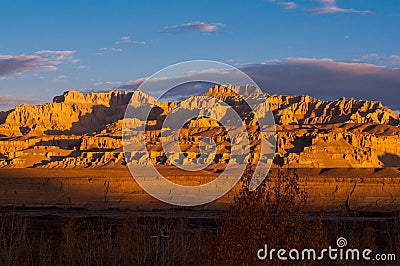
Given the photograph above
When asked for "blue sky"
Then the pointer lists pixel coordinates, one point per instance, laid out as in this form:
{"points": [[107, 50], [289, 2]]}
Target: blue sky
{"points": [[324, 48]]}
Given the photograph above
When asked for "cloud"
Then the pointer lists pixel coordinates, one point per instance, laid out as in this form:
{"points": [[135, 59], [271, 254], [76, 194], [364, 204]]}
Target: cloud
{"points": [[327, 79], [106, 83], [205, 73], [44, 60], [284, 4], [23, 63], [58, 56], [128, 40], [132, 84], [176, 92], [356, 67], [330, 7], [111, 50], [122, 40], [61, 77], [185, 90], [392, 61], [323, 78], [195, 26], [116, 50], [288, 5], [82, 67], [9, 101]]}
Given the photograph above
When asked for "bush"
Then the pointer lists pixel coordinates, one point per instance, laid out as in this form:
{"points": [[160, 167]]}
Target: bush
{"points": [[272, 215]]}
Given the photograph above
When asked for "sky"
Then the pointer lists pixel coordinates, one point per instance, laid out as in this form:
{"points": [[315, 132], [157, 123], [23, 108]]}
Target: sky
{"points": [[324, 48]]}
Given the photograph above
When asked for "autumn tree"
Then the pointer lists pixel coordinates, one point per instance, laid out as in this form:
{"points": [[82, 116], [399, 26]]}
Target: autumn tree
{"points": [[273, 214]]}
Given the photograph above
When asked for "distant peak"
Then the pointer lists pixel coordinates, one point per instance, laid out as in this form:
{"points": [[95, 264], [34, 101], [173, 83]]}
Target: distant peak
{"points": [[94, 98]]}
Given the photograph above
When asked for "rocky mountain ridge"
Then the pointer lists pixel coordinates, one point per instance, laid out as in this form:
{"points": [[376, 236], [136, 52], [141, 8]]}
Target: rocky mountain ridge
{"points": [[84, 130]]}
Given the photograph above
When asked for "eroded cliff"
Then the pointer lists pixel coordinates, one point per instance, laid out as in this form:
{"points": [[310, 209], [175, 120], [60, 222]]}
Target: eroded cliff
{"points": [[84, 130]]}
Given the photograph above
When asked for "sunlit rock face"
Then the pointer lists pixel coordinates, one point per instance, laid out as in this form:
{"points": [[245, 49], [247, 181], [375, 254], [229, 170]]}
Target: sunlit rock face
{"points": [[84, 130]]}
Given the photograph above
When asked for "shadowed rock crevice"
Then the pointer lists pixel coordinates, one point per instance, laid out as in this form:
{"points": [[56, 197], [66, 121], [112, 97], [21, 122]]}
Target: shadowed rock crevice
{"points": [[390, 160]]}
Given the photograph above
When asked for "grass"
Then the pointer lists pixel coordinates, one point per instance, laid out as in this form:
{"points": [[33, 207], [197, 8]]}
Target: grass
{"points": [[101, 242]]}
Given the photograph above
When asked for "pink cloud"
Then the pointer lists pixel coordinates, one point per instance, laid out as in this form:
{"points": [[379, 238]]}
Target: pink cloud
{"points": [[23, 63], [44, 60], [328, 79], [12, 101], [327, 63]]}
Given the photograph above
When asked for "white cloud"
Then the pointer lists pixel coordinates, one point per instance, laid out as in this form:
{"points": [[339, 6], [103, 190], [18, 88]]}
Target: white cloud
{"points": [[330, 7], [288, 5], [58, 56], [284, 4], [61, 77], [128, 40], [116, 50], [196, 26], [111, 50]]}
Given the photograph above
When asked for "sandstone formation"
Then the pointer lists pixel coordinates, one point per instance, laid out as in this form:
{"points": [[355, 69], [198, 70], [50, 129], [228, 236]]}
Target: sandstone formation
{"points": [[85, 130]]}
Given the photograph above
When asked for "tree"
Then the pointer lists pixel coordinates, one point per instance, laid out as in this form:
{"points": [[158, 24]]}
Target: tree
{"points": [[273, 215]]}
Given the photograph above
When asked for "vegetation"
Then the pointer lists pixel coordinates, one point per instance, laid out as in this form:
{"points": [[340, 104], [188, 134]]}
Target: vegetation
{"points": [[96, 242], [273, 214]]}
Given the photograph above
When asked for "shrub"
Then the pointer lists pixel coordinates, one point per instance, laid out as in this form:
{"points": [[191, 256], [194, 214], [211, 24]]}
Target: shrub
{"points": [[272, 215]]}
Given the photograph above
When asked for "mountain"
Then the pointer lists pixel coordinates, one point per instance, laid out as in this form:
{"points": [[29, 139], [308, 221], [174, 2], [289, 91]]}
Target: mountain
{"points": [[84, 130]]}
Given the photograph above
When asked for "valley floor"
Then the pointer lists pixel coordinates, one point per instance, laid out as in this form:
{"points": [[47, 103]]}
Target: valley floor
{"points": [[330, 190]]}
